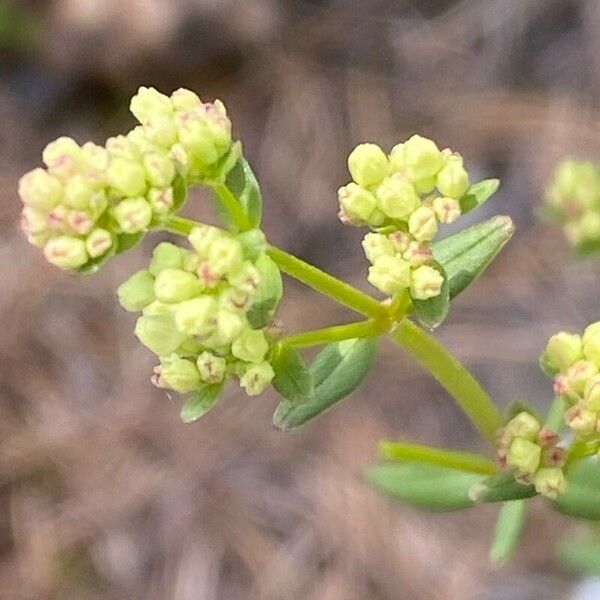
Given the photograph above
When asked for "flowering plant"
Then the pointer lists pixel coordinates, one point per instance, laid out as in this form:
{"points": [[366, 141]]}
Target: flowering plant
{"points": [[208, 309]]}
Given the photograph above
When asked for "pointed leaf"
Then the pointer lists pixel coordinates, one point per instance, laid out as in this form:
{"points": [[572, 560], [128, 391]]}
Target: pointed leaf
{"points": [[581, 498], [425, 486], [293, 379], [508, 530], [180, 190], [465, 255], [336, 372], [201, 402], [431, 313], [244, 186], [500, 488], [268, 294], [478, 193]]}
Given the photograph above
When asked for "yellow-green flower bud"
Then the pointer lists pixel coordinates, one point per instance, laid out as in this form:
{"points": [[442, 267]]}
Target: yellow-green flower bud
{"points": [[368, 164], [149, 102], [127, 177], [160, 169], [33, 220], [256, 378], [580, 419], [40, 190], [225, 256], [137, 292], [423, 224], [132, 215], [425, 186], [591, 343], [62, 157], [579, 374], [397, 158], [230, 325], [156, 309], [159, 334], [376, 245], [390, 274], [212, 368], [191, 262], [166, 256], [563, 350], [183, 99], [96, 160], [396, 197], [123, 147], [202, 238], [422, 158], [80, 222], [250, 346], [235, 299], [447, 210], [425, 282], [175, 285], [161, 130], [78, 192], [359, 206], [161, 200], [66, 252], [524, 425], [245, 278], [453, 180], [400, 240], [197, 316], [175, 373], [524, 456], [550, 482], [418, 253], [592, 394], [98, 242]]}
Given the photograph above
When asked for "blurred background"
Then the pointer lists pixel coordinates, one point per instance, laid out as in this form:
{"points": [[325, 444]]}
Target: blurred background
{"points": [[104, 493]]}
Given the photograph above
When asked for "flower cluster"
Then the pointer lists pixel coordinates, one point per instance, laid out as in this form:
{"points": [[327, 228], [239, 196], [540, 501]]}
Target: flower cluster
{"points": [[573, 199], [194, 306], [574, 361], [532, 453], [87, 196], [403, 197]]}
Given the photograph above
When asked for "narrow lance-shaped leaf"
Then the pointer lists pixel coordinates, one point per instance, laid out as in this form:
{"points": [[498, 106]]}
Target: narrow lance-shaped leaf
{"points": [[425, 486], [244, 186], [478, 193], [508, 530], [336, 372], [293, 379], [500, 488], [268, 294], [200, 402], [431, 312], [581, 498], [465, 255]]}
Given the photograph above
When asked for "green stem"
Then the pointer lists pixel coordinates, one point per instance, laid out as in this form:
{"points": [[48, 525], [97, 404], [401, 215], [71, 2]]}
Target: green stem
{"points": [[555, 419], [453, 376], [179, 225], [327, 284], [337, 333], [232, 206], [462, 461]]}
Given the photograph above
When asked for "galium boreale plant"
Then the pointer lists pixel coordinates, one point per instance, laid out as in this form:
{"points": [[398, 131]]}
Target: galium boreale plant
{"points": [[207, 307]]}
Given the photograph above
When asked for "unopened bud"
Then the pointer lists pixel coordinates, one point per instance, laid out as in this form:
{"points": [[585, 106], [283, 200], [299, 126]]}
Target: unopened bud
{"points": [[98, 242], [368, 164], [175, 285], [579, 374], [422, 158], [550, 482], [524, 425], [580, 419], [80, 222], [66, 252], [562, 350], [390, 274], [225, 255], [453, 180], [425, 186], [256, 378], [425, 282], [591, 343], [418, 253], [447, 210], [211, 367], [400, 240], [39, 189], [197, 316], [524, 456], [79, 190], [202, 238], [132, 215], [230, 325], [62, 157], [127, 177], [358, 204], [149, 102], [245, 278], [250, 346], [592, 394], [422, 224], [161, 200], [161, 130], [179, 374], [396, 197], [183, 99], [137, 292], [159, 334], [160, 169], [166, 256], [376, 245], [33, 220]]}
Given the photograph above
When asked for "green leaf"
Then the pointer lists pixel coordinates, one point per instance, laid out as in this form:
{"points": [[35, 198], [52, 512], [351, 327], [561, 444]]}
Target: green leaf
{"points": [[201, 402], [244, 186], [268, 294], [466, 254], [582, 496], [478, 193], [508, 530], [430, 313], [500, 488], [336, 372], [293, 379], [581, 554], [425, 486], [518, 406], [180, 190]]}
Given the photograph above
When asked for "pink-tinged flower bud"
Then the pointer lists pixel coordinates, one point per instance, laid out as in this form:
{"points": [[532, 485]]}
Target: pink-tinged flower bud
{"points": [[166, 256], [447, 210], [96, 160], [400, 240], [161, 201], [425, 282], [562, 350], [524, 456], [422, 224], [225, 256], [202, 238], [183, 99], [376, 245], [368, 164], [132, 215], [579, 374], [592, 394], [149, 102], [211, 367], [418, 253], [580, 419], [137, 292], [453, 180], [178, 374], [235, 299], [181, 157], [80, 221], [175, 285], [57, 218], [127, 177], [33, 220], [550, 482], [160, 169], [554, 457], [98, 242], [40, 190], [122, 147], [245, 278], [197, 316], [390, 274], [524, 425], [562, 387], [250, 346], [256, 378], [422, 158], [396, 197], [66, 252], [591, 343], [358, 205], [62, 157], [547, 437]]}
